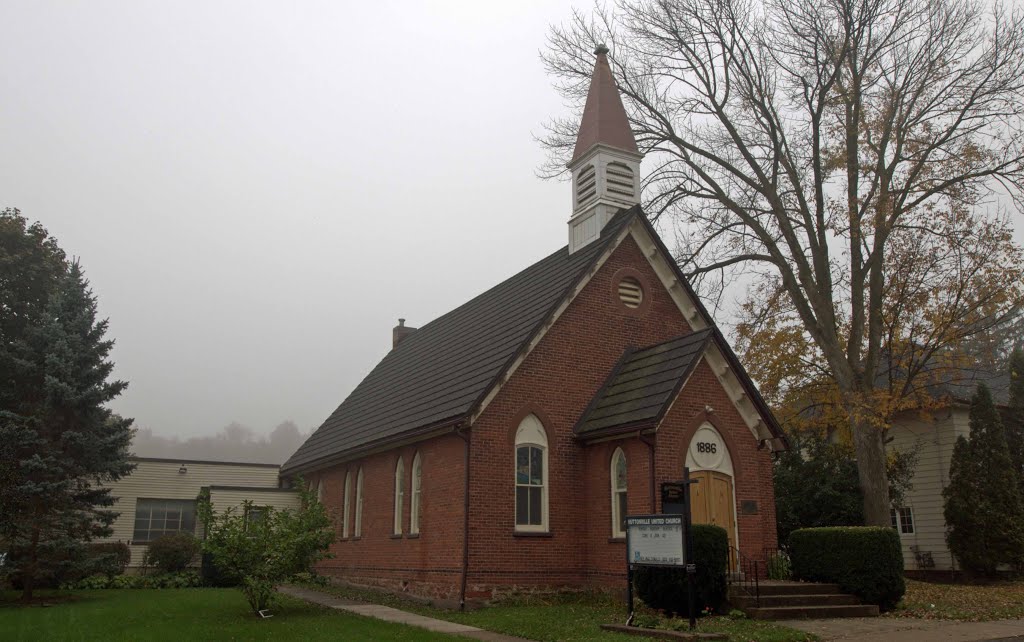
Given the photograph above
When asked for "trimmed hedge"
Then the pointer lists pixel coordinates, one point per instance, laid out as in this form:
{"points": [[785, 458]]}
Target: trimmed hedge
{"points": [[665, 588], [866, 561]]}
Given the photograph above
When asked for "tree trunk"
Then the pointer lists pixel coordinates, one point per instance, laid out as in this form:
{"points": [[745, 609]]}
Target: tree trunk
{"points": [[28, 574], [869, 448]]}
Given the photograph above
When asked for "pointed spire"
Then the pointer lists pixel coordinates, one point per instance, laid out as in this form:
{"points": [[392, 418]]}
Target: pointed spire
{"points": [[604, 118]]}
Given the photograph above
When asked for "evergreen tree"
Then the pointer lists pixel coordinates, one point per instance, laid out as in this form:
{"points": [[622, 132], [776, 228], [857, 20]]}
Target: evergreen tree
{"points": [[983, 506], [58, 441], [1015, 416]]}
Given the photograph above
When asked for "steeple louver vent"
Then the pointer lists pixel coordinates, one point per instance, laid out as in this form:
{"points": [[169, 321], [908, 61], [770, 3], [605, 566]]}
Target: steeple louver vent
{"points": [[620, 180], [630, 292], [586, 186]]}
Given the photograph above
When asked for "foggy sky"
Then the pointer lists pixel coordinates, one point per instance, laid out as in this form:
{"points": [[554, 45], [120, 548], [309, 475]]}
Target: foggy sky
{"points": [[258, 190]]}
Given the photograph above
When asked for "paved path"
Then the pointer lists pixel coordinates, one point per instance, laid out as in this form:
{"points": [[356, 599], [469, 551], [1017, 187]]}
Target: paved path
{"points": [[886, 629], [389, 614]]}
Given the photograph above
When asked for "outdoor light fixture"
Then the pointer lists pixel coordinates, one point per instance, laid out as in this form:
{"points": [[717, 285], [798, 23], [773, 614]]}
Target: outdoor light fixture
{"points": [[182, 470]]}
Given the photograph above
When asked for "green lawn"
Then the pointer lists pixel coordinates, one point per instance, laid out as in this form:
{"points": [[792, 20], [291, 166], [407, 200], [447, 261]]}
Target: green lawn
{"points": [[187, 614], [573, 617], [966, 602]]}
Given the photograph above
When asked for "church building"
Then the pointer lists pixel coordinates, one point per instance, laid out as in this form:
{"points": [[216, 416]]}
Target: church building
{"points": [[498, 448]]}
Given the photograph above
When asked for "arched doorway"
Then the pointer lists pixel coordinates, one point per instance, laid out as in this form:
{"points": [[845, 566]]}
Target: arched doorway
{"points": [[713, 498]]}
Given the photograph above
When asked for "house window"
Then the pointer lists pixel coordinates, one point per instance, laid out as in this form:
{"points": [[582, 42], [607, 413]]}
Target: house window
{"points": [[906, 520], [359, 504], [619, 481], [156, 517], [345, 504], [531, 476], [399, 494], [902, 519], [414, 509], [255, 515], [320, 491]]}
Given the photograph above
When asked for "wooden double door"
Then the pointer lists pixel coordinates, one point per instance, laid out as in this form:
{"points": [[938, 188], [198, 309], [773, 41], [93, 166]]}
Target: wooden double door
{"points": [[712, 503]]}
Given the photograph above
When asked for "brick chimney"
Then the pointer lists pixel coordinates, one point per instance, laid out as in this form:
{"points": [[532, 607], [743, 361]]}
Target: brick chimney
{"points": [[400, 332]]}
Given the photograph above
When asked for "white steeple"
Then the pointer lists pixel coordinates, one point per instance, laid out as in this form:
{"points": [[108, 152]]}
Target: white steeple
{"points": [[605, 164]]}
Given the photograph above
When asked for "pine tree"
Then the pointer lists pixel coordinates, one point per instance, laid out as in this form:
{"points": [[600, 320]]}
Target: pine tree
{"points": [[58, 440], [983, 507], [1015, 416]]}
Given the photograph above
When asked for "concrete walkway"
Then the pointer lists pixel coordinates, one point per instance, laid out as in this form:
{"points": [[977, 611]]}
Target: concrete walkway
{"points": [[886, 629], [389, 614]]}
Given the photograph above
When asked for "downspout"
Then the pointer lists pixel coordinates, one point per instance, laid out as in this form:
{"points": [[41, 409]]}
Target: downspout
{"points": [[463, 432], [650, 447]]}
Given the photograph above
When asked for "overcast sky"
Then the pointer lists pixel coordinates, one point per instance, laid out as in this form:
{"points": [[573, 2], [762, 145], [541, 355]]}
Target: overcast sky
{"points": [[259, 190]]}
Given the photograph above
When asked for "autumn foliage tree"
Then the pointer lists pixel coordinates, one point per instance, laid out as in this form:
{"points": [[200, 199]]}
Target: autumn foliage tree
{"points": [[809, 144]]}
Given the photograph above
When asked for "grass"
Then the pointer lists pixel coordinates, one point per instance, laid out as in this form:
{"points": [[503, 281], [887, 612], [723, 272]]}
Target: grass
{"points": [[186, 614], [965, 602], [571, 617]]}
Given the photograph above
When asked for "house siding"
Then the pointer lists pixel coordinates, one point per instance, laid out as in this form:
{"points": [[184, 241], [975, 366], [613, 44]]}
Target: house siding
{"points": [[161, 480], [932, 438]]}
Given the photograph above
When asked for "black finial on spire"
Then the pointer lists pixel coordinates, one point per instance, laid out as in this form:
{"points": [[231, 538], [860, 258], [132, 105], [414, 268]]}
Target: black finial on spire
{"points": [[601, 49]]}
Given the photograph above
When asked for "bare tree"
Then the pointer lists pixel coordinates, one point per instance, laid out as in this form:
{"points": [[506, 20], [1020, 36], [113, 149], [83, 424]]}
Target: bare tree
{"points": [[795, 139]]}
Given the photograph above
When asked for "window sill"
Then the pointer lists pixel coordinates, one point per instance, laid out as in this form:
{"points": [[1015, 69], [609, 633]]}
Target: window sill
{"points": [[342, 539], [396, 536], [357, 538], [412, 536], [532, 534], [617, 540]]}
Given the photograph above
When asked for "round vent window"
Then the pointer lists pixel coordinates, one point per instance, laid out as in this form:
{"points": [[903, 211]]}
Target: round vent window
{"points": [[630, 292]]}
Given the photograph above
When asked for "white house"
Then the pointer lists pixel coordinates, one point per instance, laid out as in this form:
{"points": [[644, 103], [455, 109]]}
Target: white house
{"points": [[159, 497]]}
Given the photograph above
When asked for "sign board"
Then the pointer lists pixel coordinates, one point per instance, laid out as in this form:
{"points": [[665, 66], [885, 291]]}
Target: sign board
{"points": [[655, 540], [673, 498]]}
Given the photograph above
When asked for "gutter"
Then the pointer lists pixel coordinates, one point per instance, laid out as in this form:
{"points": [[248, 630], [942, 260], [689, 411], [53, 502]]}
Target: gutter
{"points": [[463, 432], [650, 446]]}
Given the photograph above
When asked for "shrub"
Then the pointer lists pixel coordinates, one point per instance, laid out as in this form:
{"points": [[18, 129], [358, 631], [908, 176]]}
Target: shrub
{"points": [[109, 558], [268, 551], [172, 553], [184, 579], [863, 560], [778, 566], [665, 588]]}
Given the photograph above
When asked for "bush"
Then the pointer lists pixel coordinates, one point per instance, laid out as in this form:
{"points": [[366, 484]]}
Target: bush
{"points": [[863, 560], [109, 558], [172, 553], [184, 579], [665, 588], [778, 566]]}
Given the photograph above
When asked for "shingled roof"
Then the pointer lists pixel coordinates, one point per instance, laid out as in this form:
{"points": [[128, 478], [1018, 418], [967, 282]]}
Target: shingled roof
{"points": [[643, 384], [438, 374]]}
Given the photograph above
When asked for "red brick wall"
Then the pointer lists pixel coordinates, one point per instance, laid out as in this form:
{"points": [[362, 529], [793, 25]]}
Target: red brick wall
{"points": [[555, 382], [427, 564]]}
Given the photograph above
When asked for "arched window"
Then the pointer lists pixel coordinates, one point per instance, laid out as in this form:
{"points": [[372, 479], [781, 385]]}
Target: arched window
{"points": [[414, 508], [359, 504], [399, 494], [345, 504], [619, 482], [531, 476]]}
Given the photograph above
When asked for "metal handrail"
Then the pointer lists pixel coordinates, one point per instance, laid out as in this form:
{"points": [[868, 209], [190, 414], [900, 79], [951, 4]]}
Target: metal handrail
{"points": [[745, 574]]}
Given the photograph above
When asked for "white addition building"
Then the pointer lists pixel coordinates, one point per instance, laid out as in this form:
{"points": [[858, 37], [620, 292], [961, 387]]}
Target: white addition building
{"points": [[159, 497], [920, 521]]}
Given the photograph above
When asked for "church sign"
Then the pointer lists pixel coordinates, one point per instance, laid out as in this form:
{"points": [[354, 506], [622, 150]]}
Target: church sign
{"points": [[655, 540]]}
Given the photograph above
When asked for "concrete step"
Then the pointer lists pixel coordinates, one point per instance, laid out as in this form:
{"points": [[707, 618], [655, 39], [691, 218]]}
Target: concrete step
{"points": [[776, 587], [817, 612], [813, 599]]}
